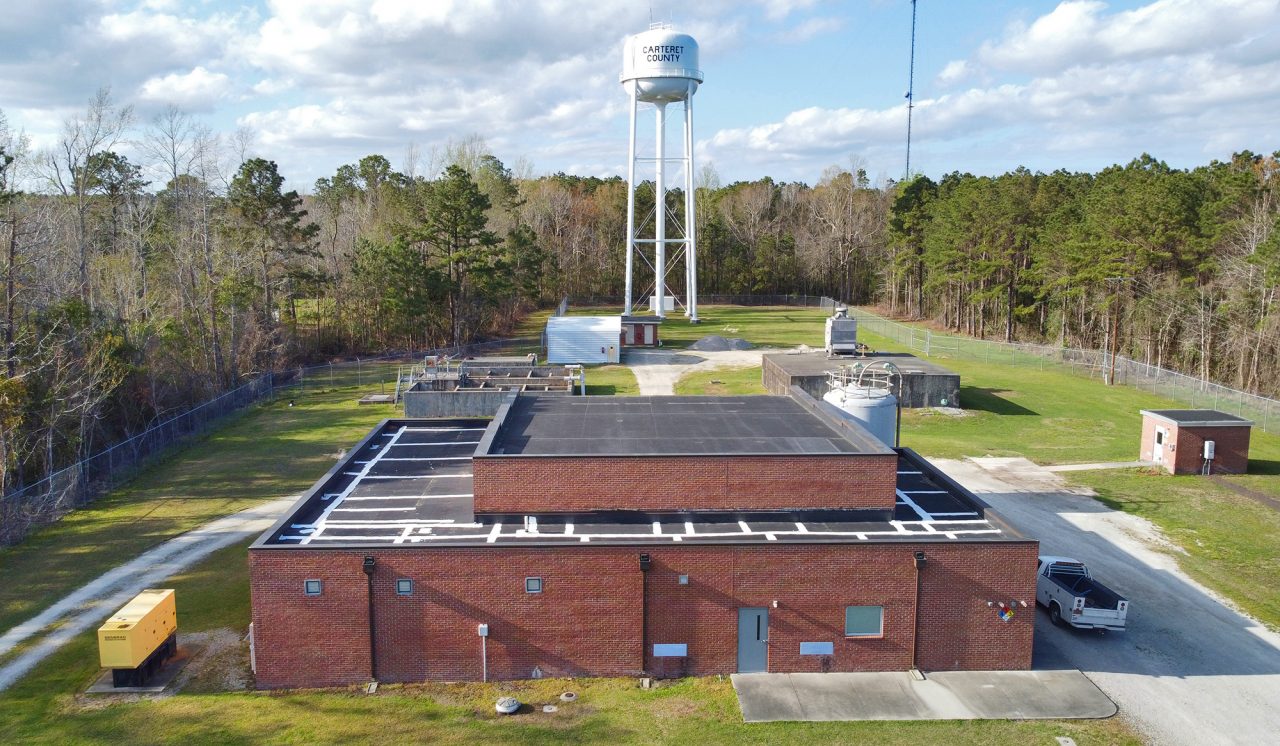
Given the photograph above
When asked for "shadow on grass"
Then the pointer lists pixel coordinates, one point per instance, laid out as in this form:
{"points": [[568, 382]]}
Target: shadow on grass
{"points": [[601, 389], [1263, 466], [988, 400]]}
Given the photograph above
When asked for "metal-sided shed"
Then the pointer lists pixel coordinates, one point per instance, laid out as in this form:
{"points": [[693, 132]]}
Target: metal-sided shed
{"points": [[584, 339], [1195, 441]]}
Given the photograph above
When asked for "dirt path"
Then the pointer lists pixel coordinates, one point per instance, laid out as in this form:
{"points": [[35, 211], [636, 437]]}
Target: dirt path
{"points": [[95, 600], [1190, 668], [657, 371]]}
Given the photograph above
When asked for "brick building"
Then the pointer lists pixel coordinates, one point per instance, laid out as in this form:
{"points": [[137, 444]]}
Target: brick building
{"points": [[1175, 439], [621, 536]]}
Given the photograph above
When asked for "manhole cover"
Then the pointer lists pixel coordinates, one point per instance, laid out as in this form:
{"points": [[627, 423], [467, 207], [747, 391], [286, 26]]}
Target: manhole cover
{"points": [[507, 705]]}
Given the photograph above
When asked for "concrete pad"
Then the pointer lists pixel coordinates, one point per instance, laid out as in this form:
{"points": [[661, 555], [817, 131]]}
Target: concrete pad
{"points": [[951, 695], [1028, 695], [161, 681]]}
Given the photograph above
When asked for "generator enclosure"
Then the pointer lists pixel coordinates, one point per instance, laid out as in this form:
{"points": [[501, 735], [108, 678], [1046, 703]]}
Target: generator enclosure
{"points": [[138, 629]]}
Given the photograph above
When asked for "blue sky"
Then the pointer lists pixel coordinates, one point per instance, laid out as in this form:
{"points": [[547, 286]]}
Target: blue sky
{"points": [[792, 86]]}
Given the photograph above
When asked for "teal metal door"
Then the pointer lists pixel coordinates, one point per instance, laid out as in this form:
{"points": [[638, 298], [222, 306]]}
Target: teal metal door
{"points": [[753, 640]]}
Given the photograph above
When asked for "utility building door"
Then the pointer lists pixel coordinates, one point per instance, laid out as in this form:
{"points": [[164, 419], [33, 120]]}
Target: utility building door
{"points": [[753, 640]]}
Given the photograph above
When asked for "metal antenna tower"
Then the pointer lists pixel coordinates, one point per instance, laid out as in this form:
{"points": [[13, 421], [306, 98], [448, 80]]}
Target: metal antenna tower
{"points": [[911, 85]]}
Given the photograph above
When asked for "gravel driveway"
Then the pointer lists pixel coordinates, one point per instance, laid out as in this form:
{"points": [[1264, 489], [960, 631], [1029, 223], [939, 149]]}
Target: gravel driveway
{"points": [[1189, 669]]}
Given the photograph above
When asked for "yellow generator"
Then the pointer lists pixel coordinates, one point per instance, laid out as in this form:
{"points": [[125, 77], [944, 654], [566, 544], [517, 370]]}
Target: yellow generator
{"points": [[140, 637]]}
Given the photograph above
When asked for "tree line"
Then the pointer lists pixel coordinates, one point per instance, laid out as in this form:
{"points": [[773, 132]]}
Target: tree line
{"points": [[1176, 268], [132, 290]]}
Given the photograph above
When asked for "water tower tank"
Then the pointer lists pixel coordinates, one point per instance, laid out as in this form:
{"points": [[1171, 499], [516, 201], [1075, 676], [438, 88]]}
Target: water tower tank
{"points": [[872, 407], [663, 63]]}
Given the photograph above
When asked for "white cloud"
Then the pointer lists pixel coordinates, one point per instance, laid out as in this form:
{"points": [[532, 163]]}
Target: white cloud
{"points": [[954, 71], [327, 81], [1103, 88], [1080, 32], [777, 10], [811, 27], [198, 90], [272, 86]]}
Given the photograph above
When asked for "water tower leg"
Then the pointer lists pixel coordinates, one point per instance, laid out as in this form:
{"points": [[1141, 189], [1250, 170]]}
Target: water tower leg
{"points": [[690, 213], [631, 200], [660, 214]]}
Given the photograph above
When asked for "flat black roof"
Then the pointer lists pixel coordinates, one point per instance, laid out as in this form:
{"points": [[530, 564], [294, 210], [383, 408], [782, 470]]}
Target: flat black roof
{"points": [[408, 483], [672, 426], [808, 364], [1199, 417]]}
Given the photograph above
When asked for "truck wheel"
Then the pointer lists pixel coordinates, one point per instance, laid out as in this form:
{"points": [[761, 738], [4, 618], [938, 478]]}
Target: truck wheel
{"points": [[1055, 614]]}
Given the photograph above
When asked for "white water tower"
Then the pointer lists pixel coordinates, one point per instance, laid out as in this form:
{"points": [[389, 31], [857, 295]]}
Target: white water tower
{"points": [[660, 67]]}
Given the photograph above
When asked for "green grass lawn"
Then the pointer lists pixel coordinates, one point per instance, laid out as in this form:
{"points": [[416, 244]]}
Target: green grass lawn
{"points": [[722, 382], [763, 326], [265, 452], [1232, 543], [609, 380], [1045, 414], [44, 710]]}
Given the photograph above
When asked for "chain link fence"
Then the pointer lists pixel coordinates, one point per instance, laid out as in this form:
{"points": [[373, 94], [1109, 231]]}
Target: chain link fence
{"points": [[1189, 390], [43, 502]]}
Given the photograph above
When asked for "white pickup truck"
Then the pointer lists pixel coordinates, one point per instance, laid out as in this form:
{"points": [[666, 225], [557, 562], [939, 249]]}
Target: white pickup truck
{"points": [[1073, 597]]}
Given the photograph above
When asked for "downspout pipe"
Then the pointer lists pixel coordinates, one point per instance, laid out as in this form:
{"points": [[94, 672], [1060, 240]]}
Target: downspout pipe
{"points": [[920, 561], [368, 566], [645, 564]]}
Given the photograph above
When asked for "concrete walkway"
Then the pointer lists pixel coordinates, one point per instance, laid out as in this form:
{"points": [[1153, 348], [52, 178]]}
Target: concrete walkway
{"points": [[90, 604], [949, 695]]}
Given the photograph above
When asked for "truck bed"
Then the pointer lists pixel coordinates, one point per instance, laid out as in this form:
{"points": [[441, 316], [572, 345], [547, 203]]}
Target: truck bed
{"points": [[1095, 594]]}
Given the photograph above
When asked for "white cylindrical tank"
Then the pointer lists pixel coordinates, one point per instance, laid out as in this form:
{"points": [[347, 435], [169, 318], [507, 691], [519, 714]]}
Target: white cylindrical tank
{"points": [[663, 63], [876, 409]]}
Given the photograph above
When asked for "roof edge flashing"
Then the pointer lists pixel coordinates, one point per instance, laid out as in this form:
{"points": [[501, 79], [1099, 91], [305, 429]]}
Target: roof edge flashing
{"points": [[495, 427], [850, 429], [1157, 414]]}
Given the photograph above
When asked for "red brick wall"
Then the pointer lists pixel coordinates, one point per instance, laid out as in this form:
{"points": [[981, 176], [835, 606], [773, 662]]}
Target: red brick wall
{"points": [[587, 620], [302, 640], [1231, 449], [512, 484]]}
